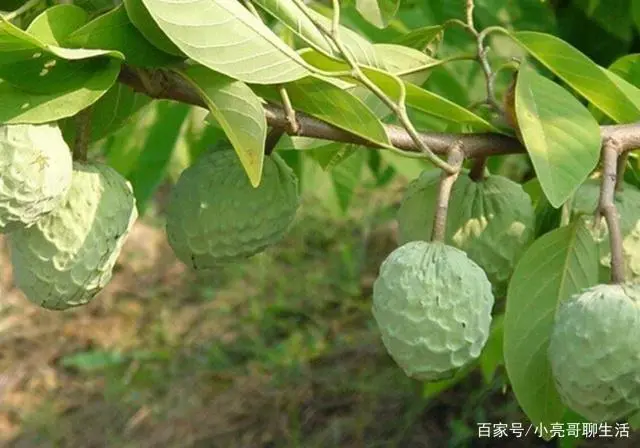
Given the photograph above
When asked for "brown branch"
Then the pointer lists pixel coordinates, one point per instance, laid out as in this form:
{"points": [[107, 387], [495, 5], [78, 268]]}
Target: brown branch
{"points": [[455, 159], [169, 86], [607, 207]]}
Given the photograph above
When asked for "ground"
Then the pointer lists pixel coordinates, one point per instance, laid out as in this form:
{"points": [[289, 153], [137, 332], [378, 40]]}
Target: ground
{"points": [[277, 351]]}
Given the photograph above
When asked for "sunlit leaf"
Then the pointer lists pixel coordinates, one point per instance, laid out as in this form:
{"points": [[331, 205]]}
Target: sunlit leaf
{"points": [[561, 136]]}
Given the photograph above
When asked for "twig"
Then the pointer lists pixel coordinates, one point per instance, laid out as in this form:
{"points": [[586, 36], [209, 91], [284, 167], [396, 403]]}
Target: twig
{"points": [[273, 137], [606, 207], [168, 85], [83, 135], [478, 169], [21, 10], [398, 109], [469, 14], [622, 166], [294, 126], [455, 159]]}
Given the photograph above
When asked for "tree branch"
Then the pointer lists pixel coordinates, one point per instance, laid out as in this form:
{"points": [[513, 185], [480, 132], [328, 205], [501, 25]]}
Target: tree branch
{"points": [[167, 85], [607, 207]]}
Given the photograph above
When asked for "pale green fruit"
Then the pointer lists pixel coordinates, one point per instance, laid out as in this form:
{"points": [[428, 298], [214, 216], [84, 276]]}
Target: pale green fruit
{"points": [[215, 215], [628, 206], [35, 173], [492, 221], [67, 257], [594, 351], [433, 307]]}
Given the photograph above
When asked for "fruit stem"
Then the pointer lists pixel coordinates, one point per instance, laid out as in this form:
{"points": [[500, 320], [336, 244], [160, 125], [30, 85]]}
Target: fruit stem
{"points": [[455, 159], [622, 165], [478, 168], [607, 207], [273, 137], [83, 135]]}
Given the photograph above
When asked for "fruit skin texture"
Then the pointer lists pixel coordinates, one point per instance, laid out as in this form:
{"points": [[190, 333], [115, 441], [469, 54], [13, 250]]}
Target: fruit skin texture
{"points": [[215, 215], [628, 206], [433, 307], [594, 351], [493, 220], [67, 257], [35, 173]]}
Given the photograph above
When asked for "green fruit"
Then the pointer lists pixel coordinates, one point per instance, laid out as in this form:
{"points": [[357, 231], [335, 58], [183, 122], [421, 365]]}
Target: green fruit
{"points": [[215, 215], [433, 307], [594, 351], [627, 203], [67, 257], [35, 167], [492, 221]]}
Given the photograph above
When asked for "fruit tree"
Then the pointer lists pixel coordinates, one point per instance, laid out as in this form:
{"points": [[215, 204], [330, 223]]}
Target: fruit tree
{"points": [[515, 123]]}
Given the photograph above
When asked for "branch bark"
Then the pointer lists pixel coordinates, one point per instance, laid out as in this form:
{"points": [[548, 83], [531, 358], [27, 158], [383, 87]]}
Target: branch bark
{"points": [[167, 85], [607, 207]]}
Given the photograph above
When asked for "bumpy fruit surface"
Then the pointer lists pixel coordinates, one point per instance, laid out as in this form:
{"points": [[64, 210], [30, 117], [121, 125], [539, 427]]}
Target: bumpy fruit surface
{"points": [[433, 307], [35, 173], [627, 203], [215, 215], [492, 220], [594, 351], [67, 257]]}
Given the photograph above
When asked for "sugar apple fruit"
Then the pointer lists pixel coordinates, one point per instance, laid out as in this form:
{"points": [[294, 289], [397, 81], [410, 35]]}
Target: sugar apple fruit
{"points": [[594, 351], [493, 221], [67, 257], [215, 215], [627, 203], [433, 307], [35, 173]]}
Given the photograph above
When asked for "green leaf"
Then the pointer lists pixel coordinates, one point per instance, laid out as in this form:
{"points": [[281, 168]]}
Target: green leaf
{"points": [[238, 111], [401, 60], [110, 112], [37, 67], [631, 91], [19, 106], [290, 14], [416, 97], [556, 266], [492, 354], [324, 100], [628, 67], [331, 154], [360, 48], [143, 21], [561, 136], [378, 12], [156, 152], [114, 31], [346, 176], [407, 168], [56, 23], [224, 36], [580, 72], [419, 38]]}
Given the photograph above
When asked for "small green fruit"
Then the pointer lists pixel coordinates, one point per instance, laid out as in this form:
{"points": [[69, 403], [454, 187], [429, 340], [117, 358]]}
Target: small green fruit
{"points": [[627, 203], [67, 257], [492, 220], [215, 215], [433, 307], [594, 351], [35, 173]]}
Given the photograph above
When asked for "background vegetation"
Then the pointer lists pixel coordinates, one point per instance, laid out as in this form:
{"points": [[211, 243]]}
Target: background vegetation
{"points": [[280, 350]]}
